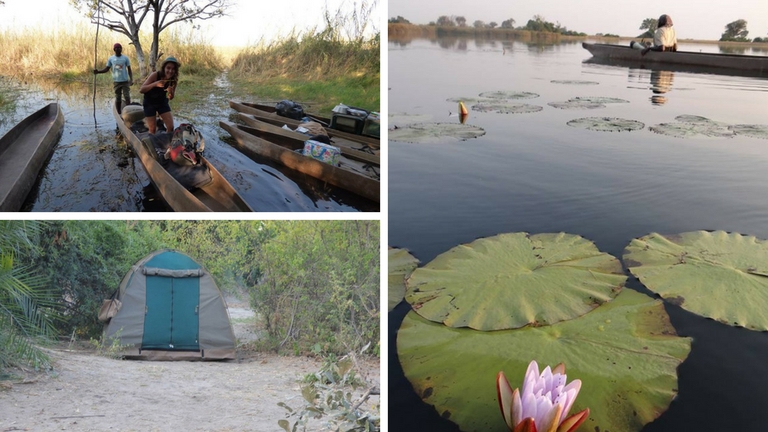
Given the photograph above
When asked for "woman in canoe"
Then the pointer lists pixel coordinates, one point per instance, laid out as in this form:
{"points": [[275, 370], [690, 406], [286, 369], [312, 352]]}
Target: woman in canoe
{"points": [[664, 39], [158, 89]]}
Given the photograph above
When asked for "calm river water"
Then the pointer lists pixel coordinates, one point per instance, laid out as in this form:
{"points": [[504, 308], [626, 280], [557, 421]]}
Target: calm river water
{"points": [[532, 172], [92, 169]]}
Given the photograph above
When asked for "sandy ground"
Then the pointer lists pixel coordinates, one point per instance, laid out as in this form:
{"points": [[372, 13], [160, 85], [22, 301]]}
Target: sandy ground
{"points": [[88, 392]]}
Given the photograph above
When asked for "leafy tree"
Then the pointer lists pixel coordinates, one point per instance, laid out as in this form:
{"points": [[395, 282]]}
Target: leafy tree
{"points": [[26, 306], [735, 31], [649, 25], [478, 24], [461, 21], [320, 284], [445, 20], [127, 17], [508, 24], [399, 20], [493, 24]]}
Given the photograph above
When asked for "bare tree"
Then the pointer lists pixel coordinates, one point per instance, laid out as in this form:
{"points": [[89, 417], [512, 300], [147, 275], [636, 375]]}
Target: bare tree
{"points": [[127, 16]]}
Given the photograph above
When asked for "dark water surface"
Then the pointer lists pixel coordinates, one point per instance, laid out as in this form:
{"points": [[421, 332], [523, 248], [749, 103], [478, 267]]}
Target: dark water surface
{"points": [[92, 168], [532, 172]]}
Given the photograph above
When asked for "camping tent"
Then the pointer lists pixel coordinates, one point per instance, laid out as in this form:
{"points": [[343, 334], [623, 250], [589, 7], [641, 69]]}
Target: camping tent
{"points": [[171, 309]]}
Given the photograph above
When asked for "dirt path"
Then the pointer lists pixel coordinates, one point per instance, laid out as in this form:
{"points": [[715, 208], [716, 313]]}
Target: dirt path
{"points": [[93, 393]]}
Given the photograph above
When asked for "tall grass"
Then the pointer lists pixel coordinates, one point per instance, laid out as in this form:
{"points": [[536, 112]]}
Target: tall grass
{"points": [[318, 64], [68, 54]]}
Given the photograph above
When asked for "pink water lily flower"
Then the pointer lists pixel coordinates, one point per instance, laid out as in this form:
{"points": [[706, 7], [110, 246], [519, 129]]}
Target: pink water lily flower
{"points": [[543, 404]]}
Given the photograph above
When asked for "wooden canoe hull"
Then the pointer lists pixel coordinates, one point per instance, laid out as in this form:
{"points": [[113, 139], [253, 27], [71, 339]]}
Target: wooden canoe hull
{"points": [[272, 117], [23, 152], [219, 195], [254, 147], [754, 64], [347, 147]]}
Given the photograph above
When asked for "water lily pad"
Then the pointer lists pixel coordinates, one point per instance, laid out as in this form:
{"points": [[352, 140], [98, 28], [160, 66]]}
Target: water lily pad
{"points": [[400, 265], [508, 95], [574, 82], [690, 130], [506, 108], [606, 124], [625, 352], [576, 104], [469, 100], [751, 130], [403, 119], [513, 280], [719, 275], [687, 118], [435, 133], [600, 99]]}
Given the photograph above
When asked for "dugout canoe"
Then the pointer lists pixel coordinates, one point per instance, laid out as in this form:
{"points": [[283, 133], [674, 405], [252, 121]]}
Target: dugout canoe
{"points": [[218, 195], [737, 62], [23, 152], [259, 111], [349, 149], [254, 147]]}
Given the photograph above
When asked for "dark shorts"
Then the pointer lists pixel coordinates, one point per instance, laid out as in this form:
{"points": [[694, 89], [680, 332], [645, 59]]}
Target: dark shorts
{"points": [[153, 108]]}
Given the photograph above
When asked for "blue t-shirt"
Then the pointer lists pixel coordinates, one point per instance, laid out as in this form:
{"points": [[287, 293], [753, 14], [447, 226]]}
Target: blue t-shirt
{"points": [[119, 67]]}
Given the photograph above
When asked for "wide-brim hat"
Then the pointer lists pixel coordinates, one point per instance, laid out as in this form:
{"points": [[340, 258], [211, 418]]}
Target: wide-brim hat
{"points": [[170, 59]]}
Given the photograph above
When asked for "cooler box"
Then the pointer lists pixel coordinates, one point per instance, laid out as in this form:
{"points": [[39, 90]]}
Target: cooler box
{"points": [[322, 152], [371, 126], [347, 123]]}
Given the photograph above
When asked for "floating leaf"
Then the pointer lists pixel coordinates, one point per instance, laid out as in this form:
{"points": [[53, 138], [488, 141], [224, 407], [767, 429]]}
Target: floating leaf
{"points": [[625, 352], [687, 118], [600, 99], [606, 124], [508, 95], [435, 133], [689, 130], [404, 119], [400, 265], [513, 280], [506, 108], [753, 130], [574, 82], [719, 275], [576, 104], [469, 100]]}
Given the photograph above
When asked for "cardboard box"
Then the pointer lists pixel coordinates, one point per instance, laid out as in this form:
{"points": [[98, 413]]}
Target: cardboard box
{"points": [[322, 152]]}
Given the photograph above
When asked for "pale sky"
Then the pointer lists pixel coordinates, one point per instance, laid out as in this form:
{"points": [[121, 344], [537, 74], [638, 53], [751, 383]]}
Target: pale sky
{"points": [[693, 19], [249, 20]]}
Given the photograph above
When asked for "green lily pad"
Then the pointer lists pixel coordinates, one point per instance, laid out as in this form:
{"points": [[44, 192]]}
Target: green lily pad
{"points": [[625, 353], [690, 130], [606, 124], [576, 104], [508, 95], [400, 265], [599, 99], [513, 280], [687, 118], [404, 119], [506, 108], [424, 133], [469, 100], [719, 275], [751, 130], [574, 82]]}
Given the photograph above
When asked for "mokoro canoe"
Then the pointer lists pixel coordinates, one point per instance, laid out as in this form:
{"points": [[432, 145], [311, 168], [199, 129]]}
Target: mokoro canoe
{"points": [[272, 117], [217, 195], [252, 146], [348, 148], [757, 64], [23, 152]]}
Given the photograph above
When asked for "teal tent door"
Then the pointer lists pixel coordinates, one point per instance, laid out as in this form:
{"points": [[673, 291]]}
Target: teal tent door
{"points": [[171, 320]]}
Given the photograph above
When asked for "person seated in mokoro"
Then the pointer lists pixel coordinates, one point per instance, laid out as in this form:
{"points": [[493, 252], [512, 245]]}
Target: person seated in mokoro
{"points": [[158, 89], [664, 39]]}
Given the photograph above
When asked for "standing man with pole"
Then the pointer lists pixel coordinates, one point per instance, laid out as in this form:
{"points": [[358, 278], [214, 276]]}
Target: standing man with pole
{"points": [[121, 75]]}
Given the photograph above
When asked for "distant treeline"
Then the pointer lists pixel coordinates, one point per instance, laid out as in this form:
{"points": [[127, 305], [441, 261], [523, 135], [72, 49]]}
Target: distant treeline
{"points": [[535, 24]]}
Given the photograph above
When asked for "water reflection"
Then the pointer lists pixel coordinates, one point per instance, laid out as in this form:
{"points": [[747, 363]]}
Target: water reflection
{"points": [[661, 83]]}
